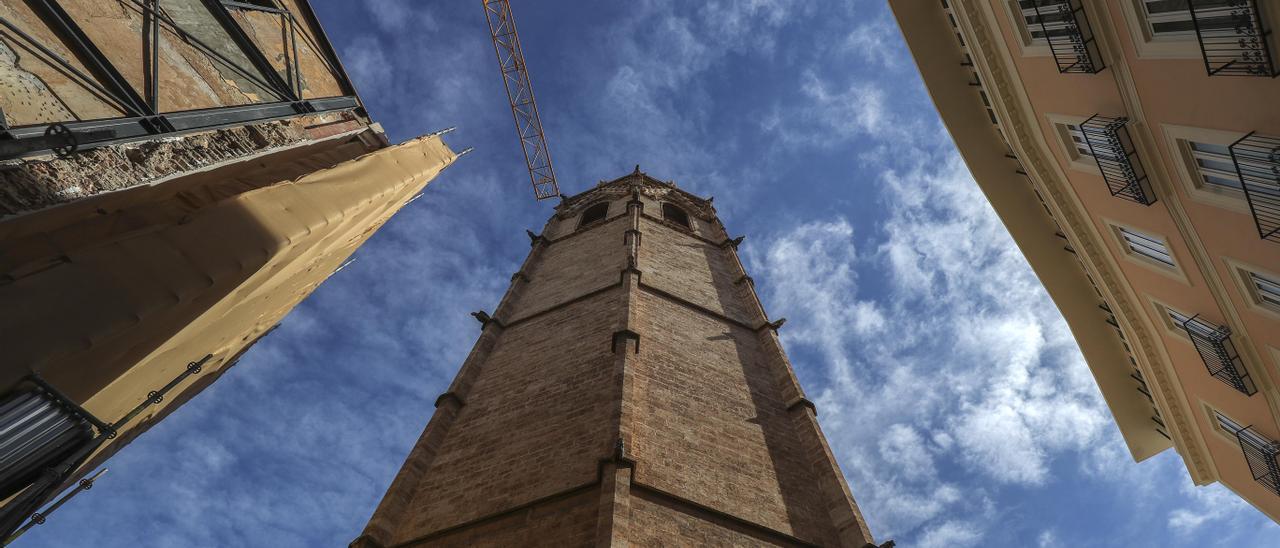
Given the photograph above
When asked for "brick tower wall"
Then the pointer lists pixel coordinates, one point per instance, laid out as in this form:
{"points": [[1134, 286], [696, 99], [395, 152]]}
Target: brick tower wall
{"points": [[628, 388]]}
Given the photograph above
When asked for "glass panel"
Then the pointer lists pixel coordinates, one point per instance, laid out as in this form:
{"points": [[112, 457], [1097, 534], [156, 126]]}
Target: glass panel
{"points": [[1221, 181], [319, 79], [1226, 423], [207, 66], [1082, 145], [1220, 150], [1217, 164], [1155, 7]]}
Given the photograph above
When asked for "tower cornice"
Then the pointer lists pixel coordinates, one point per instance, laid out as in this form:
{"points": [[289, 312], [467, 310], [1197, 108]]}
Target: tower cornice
{"points": [[648, 186]]}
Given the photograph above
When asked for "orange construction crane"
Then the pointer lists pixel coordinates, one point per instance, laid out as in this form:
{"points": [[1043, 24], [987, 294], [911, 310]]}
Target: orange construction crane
{"points": [[506, 44]]}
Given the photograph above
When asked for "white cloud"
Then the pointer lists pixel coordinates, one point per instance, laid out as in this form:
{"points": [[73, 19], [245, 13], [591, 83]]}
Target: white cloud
{"points": [[1203, 505], [1047, 539], [401, 15], [963, 307], [951, 534], [903, 444], [367, 63]]}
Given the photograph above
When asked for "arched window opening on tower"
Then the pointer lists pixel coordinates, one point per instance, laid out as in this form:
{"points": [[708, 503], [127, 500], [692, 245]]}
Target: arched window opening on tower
{"points": [[594, 213], [675, 215]]}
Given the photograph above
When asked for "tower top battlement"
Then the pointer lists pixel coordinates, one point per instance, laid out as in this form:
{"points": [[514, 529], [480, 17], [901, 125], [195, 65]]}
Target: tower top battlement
{"points": [[643, 183]]}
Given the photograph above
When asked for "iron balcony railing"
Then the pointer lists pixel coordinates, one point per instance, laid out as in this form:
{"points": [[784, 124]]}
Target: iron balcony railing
{"points": [[1109, 143], [1071, 41], [1257, 161], [1261, 454], [1233, 38], [1213, 342]]}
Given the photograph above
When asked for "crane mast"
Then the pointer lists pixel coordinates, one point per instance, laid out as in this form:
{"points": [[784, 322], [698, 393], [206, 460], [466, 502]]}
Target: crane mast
{"points": [[515, 76]]}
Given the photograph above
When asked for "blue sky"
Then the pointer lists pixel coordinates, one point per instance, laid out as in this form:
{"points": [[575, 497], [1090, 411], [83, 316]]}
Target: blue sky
{"points": [[947, 383]]}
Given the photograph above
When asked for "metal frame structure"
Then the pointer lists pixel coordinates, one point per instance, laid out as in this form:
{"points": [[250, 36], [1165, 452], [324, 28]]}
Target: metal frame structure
{"points": [[1108, 140], [1213, 343], [1257, 161], [1233, 37], [142, 118], [515, 77], [22, 507], [1076, 49], [1263, 457]]}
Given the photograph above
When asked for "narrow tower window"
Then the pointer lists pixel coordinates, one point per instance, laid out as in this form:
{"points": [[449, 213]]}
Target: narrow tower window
{"points": [[675, 215], [594, 213]]}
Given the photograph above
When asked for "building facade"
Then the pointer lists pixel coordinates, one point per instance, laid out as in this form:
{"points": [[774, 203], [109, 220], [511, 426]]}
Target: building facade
{"points": [[175, 176], [1132, 149], [628, 389]]}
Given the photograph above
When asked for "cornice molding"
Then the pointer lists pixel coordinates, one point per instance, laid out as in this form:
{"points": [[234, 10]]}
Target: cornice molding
{"points": [[644, 184]]}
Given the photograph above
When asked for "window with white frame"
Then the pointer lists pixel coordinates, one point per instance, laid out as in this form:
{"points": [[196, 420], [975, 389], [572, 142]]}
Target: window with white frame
{"points": [[1146, 246], [1171, 19], [1168, 18], [1078, 142], [1178, 319], [1225, 423], [1265, 289], [1056, 21], [1214, 167], [1234, 429]]}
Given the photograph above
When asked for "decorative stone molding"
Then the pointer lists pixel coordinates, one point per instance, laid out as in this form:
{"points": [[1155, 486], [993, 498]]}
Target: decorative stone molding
{"points": [[775, 325], [449, 396], [734, 242], [802, 402], [485, 319]]}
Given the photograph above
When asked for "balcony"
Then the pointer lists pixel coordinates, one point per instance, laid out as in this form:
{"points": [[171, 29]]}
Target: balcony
{"points": [[1233, 38], [1111, 147], [1213, 342], [1070, 38], [1261, 454], [1257, 161]]}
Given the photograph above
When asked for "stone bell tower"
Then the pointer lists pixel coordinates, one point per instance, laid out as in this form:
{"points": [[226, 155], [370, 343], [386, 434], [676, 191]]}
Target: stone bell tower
{"points": [[628, 389]]}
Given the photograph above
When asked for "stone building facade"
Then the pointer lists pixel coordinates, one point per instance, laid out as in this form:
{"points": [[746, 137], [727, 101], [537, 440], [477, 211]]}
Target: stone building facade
{"points": [[628, 389]]}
